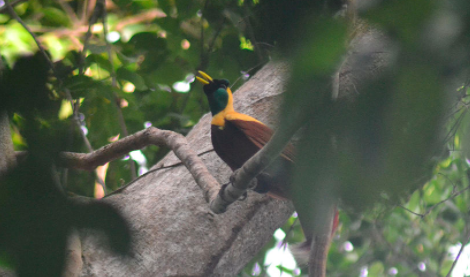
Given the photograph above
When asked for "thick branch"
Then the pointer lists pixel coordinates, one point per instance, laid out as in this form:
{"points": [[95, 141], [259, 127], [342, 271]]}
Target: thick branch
{"points": [[139, 140]]}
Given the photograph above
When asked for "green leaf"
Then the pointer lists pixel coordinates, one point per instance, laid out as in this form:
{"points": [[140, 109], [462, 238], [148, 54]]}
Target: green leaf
{"points": [[134, 78], [403, 18], [79, 85], [101, 120], [168, 73], [148, 41], [55, 17], [376, 269], [99, 60], [6, 261]]}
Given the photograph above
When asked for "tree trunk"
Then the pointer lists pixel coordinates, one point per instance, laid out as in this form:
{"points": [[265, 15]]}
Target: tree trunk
{"points": [[175, 234]]}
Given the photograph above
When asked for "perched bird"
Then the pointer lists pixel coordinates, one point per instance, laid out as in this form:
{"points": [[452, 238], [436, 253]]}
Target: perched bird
{"points": [[237, 137]]}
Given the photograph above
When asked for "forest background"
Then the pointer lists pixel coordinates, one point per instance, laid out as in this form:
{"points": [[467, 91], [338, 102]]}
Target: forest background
{"points": [[122, 66]]}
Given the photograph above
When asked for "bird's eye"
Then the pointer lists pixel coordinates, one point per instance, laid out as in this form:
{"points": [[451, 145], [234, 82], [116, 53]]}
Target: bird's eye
{"points": [[224, 86]]}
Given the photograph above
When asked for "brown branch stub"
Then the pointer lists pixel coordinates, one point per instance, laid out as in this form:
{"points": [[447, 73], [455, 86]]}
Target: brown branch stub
{"points": [[321, 242], [139, 140], [318, 255]]}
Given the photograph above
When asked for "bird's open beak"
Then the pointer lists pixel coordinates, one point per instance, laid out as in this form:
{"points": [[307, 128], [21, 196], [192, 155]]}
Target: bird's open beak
{"points": [[205, 79]]}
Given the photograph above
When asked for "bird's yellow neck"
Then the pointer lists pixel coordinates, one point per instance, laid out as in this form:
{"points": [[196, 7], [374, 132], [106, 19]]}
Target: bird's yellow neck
{"points": [[230, 114]]}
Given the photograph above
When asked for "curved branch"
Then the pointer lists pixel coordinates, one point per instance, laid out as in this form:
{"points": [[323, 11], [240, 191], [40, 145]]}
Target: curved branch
{"points": [[139, 140]]}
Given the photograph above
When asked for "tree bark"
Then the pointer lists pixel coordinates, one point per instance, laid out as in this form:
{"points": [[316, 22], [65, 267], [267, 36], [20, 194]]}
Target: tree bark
{"points": [[175, 234], [7, 153], [7, 159]]}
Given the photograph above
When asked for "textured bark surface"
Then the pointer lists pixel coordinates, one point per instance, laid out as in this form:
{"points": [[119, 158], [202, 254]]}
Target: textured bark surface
{"points": [[7, 159], [7, 153], [175, 234], [370, 54]]}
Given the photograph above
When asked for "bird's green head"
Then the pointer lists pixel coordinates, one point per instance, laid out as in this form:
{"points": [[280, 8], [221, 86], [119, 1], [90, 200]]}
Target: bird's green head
{"points": [[217, 91]]}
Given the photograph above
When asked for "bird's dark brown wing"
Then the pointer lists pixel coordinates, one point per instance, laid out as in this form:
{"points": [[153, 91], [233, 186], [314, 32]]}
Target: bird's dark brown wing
{"points": [[259, 134], [275, 179]]}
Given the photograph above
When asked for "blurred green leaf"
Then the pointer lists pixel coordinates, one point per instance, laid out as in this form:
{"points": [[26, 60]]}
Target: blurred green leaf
{"points": [[405, 19], [134, 78], [99, 60], [80, 85], [376, 269], [55, 17], [168, 73]]}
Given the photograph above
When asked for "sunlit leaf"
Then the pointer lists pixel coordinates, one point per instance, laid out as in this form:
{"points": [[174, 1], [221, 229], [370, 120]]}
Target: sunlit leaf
{"points": [[132, 77]]}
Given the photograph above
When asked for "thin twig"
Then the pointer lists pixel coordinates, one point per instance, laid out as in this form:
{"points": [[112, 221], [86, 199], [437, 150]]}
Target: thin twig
{"points": [[76, 119], [202, 54], [216, 35], [448, 179], [451, 197], [247, 71], [423, 215], [83, 10], [41, 49], [51, 65], [455, 127], [91, 7], [452, 112], [153, 171], [410, 211], [122, 122], [108, 48], [458, 255], [69, 11], [291, 229], [146, 16], [12, 4], [97, 13], [75, 108], [251, 33], [400, 251]]}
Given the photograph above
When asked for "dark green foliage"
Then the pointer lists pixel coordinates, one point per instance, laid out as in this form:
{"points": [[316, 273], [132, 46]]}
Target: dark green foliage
{"points": [[26, 97], [283, 22], [36, 217]]}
